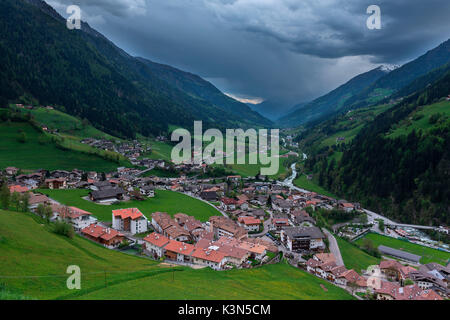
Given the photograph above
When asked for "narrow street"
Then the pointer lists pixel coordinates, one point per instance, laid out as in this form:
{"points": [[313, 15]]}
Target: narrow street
{"points": [[334, 248]]}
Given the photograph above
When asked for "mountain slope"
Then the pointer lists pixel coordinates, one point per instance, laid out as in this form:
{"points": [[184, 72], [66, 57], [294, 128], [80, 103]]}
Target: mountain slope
{"points": [[201, 89], [405, 75], [333, 101], [33, 250], [392, 84], [43, 62], [398, 164]]}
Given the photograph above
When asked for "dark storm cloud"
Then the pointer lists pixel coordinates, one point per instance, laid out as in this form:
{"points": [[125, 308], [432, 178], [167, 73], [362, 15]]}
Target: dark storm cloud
{"points": [[120, 8], [282, 50]]}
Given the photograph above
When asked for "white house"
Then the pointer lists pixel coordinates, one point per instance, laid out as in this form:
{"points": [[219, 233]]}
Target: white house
{"points": [[79, 219], [131, 220], [209, 257], [154, 244], [250, 224]]}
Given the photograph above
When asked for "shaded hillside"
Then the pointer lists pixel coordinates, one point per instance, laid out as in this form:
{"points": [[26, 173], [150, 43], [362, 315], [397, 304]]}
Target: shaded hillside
{"points": [[332, 102], [374, 88], [201, 89], [399, 164], [44, 62], [407, 76]]}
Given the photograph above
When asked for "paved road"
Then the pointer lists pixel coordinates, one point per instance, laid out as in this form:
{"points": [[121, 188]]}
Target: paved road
{"points": [[334, 248], [372, 216], [265, 230], [288, 182], [144, 171]]}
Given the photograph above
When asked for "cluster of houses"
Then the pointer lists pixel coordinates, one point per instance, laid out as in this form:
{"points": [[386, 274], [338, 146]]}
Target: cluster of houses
{"points": [[324, 265], [131, 150], [399, 282], [390, 280], [219, 243]]}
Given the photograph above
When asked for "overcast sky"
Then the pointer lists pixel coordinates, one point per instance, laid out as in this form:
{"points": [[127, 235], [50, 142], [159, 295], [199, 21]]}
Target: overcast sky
{"points": [[281, 50]]}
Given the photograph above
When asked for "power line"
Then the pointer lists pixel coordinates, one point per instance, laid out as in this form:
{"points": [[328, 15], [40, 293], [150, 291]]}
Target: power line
{"points": [[83, 273]]}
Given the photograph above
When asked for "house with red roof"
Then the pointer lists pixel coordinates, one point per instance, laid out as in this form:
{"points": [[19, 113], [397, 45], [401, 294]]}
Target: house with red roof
{"points": [[106, 236], [228, 204], [391, 269], [250, 224], [347, 207], [154, 244], [78, 218], [179, 251], [131, 220], [209, 257], [349, 276], [278, 223], [393, 291], [58, 183], [18, 188], [37, 199]]}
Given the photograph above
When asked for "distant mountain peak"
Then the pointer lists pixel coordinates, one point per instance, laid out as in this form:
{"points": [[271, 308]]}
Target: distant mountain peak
{"points": [[388, 67]]}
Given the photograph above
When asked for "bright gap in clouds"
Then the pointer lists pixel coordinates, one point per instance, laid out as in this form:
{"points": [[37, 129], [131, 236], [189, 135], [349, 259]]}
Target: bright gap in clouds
{"points": [[243, 99]]}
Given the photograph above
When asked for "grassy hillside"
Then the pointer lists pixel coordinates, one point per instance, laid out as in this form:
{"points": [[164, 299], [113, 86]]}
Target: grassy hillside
{"points": [[32, 250], [38, 259], [310, 185], [346, 126], [427, 254], [37, 151], [65, 123], [421, 119], [354, 258], [164, 200], [251, 170], [271, 282], [160, 150], [333, 102]]}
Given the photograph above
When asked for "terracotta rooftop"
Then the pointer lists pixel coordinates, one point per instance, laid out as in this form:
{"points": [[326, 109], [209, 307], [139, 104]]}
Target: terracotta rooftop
{"points": [[208, 255], [157, 239], [180, 247], [132, 213]]}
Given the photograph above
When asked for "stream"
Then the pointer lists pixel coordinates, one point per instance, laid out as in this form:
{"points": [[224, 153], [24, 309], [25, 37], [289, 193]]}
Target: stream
{"points": [[289, 181]]}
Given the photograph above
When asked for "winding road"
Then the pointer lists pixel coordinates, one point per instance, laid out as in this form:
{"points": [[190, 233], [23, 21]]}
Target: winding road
{"points": [[334, 248]]}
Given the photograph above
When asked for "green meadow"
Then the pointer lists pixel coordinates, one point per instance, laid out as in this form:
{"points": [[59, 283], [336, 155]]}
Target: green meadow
{"points": [[310, 185], [428, 254], [354, 258], [38, 152], [420, 119], [271, 282], [164, 200], [37, 260], [160, 150], [66, 123]]}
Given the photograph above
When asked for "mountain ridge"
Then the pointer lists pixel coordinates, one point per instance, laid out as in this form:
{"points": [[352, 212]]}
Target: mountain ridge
{"points": [[92, 78], [332, 101]]}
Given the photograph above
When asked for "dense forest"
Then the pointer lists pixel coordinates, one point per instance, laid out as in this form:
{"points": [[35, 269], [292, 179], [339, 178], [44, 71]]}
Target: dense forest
{"points": [[405, 177]]}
